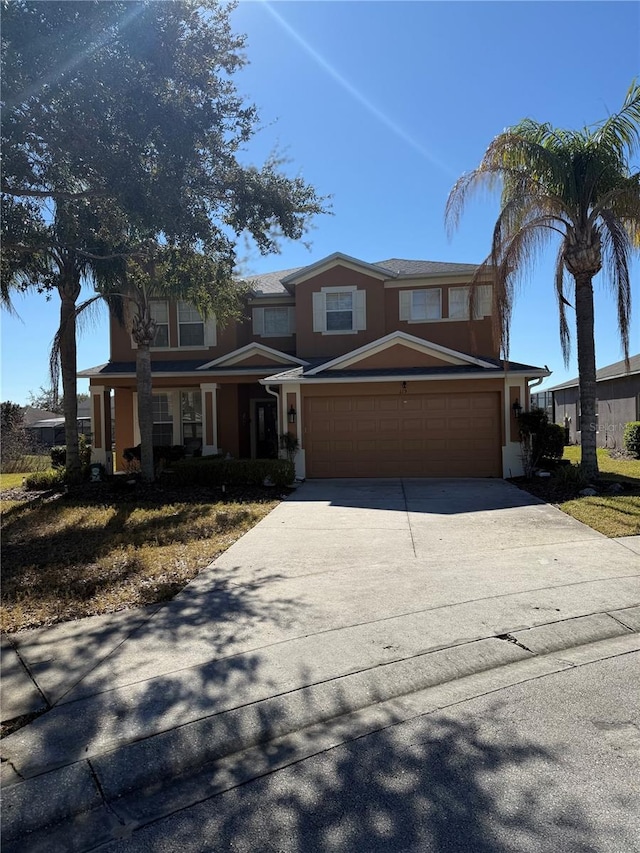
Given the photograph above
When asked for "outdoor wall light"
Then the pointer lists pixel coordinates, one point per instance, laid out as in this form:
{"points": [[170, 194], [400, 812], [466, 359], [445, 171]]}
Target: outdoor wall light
{"points": [[517, 409], [292, 414]]}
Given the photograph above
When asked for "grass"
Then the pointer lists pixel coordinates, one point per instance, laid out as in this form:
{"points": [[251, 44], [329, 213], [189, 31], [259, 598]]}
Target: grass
{"points": [[11, 481], [612, 515], [67, 558], [626, 470]]}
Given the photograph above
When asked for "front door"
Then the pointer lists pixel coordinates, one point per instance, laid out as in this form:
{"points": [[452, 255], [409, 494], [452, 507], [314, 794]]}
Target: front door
{"points": [[266, 430]]}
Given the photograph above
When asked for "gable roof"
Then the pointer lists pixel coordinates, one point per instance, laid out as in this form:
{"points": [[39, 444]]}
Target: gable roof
{"points": [[235, 358], [282, 282], [617, 370], [351, 359]]}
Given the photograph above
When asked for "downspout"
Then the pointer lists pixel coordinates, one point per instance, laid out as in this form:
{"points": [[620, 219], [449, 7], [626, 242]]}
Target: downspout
{"points": [[533, 383]]}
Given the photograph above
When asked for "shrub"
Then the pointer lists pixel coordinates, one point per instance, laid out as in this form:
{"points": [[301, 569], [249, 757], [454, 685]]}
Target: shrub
{"points": [[551, 442], [45, 479], [570, 477], [59, 453], [631, 438], [160, 451], [214, 471], [540, 441]]}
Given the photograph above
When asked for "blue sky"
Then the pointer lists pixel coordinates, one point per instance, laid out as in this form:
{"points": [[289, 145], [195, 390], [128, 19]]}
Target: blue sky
{"points": [[382, 105]]}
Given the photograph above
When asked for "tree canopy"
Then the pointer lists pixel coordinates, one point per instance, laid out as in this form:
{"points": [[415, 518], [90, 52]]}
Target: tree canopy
{"points": [[577, 187], [122, 128]]}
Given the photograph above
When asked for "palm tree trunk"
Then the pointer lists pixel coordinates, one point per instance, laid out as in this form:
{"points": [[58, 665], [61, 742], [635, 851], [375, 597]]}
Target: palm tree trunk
{"points": [[145, 411], [586, 372], [69, 291]]}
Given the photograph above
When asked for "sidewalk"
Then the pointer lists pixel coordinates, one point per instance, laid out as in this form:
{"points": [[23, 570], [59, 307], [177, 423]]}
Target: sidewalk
{"points": [[347, 596]]}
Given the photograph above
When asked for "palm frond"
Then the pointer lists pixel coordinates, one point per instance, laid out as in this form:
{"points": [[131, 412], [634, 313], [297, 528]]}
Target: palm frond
{"points": [[616, 249], [565, 334], [621, 131]]}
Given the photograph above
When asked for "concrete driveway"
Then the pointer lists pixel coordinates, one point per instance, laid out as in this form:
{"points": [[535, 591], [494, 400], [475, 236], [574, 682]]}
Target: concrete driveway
{"points": [[350, 594]]}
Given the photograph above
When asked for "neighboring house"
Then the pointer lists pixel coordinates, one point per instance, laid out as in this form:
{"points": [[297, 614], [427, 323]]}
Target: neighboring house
{"points": [[618, 393], [377, 369], [46, 429]]}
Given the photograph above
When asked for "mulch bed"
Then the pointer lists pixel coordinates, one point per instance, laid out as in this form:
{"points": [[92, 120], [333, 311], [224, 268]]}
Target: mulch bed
{"points": [[553, 492]]}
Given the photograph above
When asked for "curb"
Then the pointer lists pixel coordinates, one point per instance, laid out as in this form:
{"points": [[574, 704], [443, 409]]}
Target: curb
{"points": [[92, 801]]}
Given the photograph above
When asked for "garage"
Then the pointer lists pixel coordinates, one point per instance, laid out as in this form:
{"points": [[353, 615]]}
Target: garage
{"points": [[404, 435]]}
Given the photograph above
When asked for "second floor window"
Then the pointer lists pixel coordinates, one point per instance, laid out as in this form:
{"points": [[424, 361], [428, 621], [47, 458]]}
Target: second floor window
{"points": [[160, 313], [459, 302], [339, 307], [190, 326], [339, 311], [418, 306], [274, 321]]}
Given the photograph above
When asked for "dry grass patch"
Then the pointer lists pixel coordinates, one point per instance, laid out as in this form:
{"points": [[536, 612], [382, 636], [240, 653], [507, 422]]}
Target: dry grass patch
{"points": [[65, 559]]}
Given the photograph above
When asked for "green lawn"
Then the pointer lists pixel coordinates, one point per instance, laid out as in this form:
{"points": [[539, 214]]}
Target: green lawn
{"points": [[11, 481], [624, 469], [612, 515]]}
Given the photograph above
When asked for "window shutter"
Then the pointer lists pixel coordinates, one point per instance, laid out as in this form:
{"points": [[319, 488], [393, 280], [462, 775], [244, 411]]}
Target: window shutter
{"points": [[210, 333], [319, 313], [359, 310], [405, 305], [292, 320], [258, 321]]}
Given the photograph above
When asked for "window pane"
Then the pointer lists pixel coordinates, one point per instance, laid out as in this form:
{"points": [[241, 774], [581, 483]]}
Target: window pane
{"points": [[419, 305], [459, 303], [339, 301], [276, 321], [159, 311], [163, 434], [192, 334], [192, 406], [188, 313], [339, 321], [161, 407], [161, 337]]}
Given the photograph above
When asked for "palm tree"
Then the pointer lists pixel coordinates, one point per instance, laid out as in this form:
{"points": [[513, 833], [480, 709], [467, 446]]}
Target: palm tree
{"points": [[60, 256], [577, 187]]}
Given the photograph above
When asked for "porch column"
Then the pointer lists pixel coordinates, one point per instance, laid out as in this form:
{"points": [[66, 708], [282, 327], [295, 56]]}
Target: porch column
{"points": [[209, 418], [290, 396], [101, 426]]}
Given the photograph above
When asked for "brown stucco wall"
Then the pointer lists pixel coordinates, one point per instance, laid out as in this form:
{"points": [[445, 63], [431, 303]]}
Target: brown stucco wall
{"points": [[474, 337], [314, 344], [399, 356], [227, 338]]}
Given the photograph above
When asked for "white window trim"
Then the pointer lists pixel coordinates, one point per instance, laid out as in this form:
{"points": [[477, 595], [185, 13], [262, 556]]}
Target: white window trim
{"points": [[358, 310], [258, 314], [405, 305], [210, 333], [484, 295]]}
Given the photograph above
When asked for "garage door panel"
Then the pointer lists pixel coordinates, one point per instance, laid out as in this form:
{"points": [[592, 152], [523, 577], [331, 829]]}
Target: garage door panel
{"points": [[429, 435]]}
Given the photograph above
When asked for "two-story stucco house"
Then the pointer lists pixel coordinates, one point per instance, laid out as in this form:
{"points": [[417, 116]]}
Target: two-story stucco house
{"points": [[377, 369]]}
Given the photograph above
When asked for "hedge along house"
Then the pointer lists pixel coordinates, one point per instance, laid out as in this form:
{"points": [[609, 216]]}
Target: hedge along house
{"points": [[618, 402], [377, 369]]}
